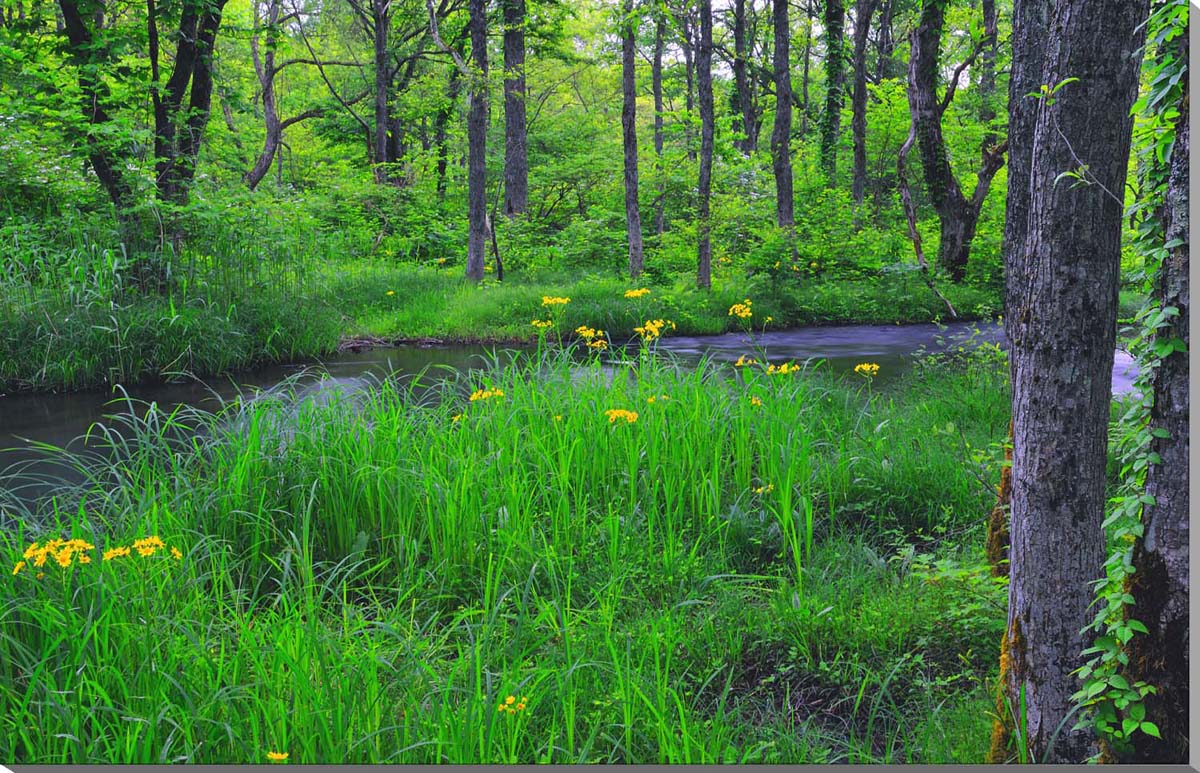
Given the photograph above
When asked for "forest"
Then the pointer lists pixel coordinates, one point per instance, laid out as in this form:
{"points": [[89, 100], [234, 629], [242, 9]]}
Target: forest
{"points": [[596, 381]]}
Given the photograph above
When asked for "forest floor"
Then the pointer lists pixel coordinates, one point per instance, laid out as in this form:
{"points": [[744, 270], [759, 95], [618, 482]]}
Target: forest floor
{"points": [[81, 339], [539, 565]]}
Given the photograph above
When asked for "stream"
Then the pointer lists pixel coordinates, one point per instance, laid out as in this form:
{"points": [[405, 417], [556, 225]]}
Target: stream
{"points": [[27, 420]]}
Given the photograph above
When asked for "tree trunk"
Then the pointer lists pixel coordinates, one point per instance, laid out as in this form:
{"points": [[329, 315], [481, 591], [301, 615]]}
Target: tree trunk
{"points": [[745, 95], [781, 150], [957, 215], [477, 144], [831, 121], [863, 10], [633, 217], [441, 139], [1063, 283], [516, 159], [264, 67], [660, 29], [686, 42], [1160, 582], [381, 20], [987, 73], [885, 46], [707, 125], [805, 107]]}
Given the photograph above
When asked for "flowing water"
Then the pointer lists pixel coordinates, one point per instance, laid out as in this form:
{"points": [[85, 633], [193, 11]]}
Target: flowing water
{"points": [[62, 419]]}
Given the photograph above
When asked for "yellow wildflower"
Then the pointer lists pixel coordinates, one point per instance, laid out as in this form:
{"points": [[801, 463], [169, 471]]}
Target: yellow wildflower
{"points": [[619, 413], [277, 756], [485, 394], [20, 565], [31, 551], [653, 329], [510, 700], [116, 552], [542, 323], [651, 400], [548, 300], [585, 332], [84, 558], [40, 575], [868, 369], [521, 706], [741, 310], [176, 554], [783, 369], [755, 402], [767, 489], [456, 417], [637, 293], [391, 292], [558, 417], [744, 361], [599, 344]]}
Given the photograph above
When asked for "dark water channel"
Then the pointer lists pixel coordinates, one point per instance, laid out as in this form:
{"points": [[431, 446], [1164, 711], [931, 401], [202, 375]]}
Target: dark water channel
{"points": [[62, 419]]}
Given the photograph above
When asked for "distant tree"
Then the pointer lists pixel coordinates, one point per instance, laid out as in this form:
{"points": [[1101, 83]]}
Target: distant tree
{"points": [[958, 215], [831, 119], [633, 217], [707, 127], [656, 68], [781, 147], [863, 9], [477, 119], [747, 118], [516, 158], [1061, 321]]}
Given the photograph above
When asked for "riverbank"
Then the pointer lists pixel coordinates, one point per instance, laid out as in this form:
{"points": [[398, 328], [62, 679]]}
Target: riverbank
{"points": [[568, 595], [50, 343]]}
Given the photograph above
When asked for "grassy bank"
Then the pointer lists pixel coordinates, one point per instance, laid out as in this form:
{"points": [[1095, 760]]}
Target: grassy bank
{"points": [[64, 340], [771, 568]]}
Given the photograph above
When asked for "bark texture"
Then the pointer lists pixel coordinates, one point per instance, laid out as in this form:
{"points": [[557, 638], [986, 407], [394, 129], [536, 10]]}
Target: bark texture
{"points": [[1160, 583], [1063, 281], [707, 122], [660, 30], [742, 82], [477, 144], [381, 20], [633, 217], [781, 146], [516, 155]]}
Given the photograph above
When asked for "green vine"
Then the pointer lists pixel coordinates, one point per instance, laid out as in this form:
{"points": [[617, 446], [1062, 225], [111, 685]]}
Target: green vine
{"points": [[1111, 701]]}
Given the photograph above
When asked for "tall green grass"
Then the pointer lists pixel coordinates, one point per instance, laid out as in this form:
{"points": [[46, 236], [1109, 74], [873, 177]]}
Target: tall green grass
{"points": [[367, 578]]}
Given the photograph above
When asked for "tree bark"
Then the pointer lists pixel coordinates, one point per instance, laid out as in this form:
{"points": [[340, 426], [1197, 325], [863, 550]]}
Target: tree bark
{"points": [[885, 46], [1160, 581], [516, 159], [264, 67], [863, 10], [957, 215], [744, 92], [831, 121], [805, 107], [707, 125], [477, 144], [781, 151], [1063, 283], [987, 73], [660, 30], [633, 217], [440, 135]]}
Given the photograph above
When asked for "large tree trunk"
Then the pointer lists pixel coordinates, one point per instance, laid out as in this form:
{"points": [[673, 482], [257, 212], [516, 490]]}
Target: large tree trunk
{"points": [[516, 160], [741, 79], [633, 217], [957, 215], [660, 30], [863, 9], [264, 67], [781, 151], [381, 20], [707, 125], [831, 120], [1063, 283], [987, 73], [1160, 582], [477, 144]]}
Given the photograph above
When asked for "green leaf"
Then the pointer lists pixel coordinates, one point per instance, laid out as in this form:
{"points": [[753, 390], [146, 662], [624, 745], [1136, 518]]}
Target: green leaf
{"points": [[1150, 729]]}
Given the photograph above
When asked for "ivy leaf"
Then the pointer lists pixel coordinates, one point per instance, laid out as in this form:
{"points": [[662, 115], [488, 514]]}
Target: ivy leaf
{"points": [[1150, 729]]}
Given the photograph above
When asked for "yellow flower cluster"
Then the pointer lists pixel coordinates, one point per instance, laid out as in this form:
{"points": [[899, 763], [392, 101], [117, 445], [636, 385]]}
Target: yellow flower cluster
{"points": [[637, 293], [653, 328], [652, 400], [62, 551], [549, 300], [741, 310], [511, 705], [486, 394], [755, 402], [767, 489], [542, 323], [595, 338], [744, 361], [619, 413], [868, 369], [277, 756], [783, 370]]}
